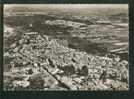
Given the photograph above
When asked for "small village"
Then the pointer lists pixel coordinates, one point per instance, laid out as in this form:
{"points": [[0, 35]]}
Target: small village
{"points": [[65, 50]]}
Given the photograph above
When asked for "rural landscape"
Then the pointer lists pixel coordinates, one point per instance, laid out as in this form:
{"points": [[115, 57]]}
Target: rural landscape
{"points": [[66, 47]]}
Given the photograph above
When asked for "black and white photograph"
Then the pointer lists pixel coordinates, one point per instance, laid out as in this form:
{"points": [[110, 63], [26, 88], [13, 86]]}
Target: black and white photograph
{"points": [[66, 47]]}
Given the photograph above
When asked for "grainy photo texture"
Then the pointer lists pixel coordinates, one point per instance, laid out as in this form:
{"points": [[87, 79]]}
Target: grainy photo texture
{"points": [[66, 47]]}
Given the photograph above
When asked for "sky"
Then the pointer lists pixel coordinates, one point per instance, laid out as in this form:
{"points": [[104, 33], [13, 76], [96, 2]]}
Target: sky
{"points": [[81, 6]]}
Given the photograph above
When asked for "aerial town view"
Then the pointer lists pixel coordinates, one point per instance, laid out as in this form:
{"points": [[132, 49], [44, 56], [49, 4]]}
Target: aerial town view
{"points": [[66, 47]]}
